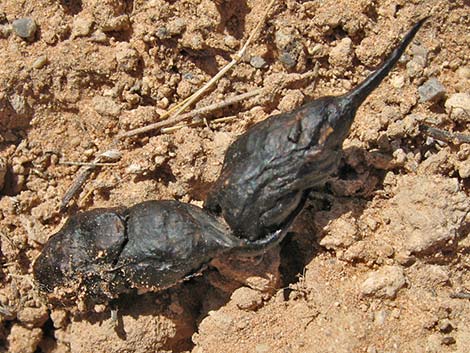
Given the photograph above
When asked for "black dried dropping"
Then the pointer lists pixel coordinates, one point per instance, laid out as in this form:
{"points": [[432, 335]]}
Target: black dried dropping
{"points": [[152, 245], [269, 169]]}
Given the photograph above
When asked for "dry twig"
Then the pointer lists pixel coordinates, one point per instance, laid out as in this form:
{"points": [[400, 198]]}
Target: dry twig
{"points": [[84, 173], [451, 137], [192, 114], [460, 295]]}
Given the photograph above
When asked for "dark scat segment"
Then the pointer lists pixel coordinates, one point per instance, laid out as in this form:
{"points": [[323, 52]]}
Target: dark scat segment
{"points": [[81, 252], [169, 240], [268, 169], [152, 245]]}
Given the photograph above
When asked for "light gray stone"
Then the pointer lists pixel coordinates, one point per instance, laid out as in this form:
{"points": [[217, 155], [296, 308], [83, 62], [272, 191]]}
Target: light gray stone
{"points": [[431, 90]]}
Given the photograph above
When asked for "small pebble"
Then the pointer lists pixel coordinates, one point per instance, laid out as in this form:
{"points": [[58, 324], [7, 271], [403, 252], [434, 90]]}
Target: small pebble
{"points": [[257, 62], [163, 33], [25, 28], [195, 42], [288, 59], [116, 24], [40, 62], [5, 30], [127, 57], [106, 106], [159, 160], [288, 47], [99, 37], [448, 340], [398, 81], [283, 40], [19, 104], [231, 42], [247, 299], [317, 51], [384, 283], [341, 55], [431, 90], [445, 326], [81, 27], [176, 26]]}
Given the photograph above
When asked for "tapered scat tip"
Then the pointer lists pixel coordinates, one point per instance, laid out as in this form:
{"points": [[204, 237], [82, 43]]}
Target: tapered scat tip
{"points": [[363, 90], [418, 25]]}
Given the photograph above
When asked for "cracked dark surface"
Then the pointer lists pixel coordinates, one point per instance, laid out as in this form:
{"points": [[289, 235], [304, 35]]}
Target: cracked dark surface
{"points": [[150, 246]]}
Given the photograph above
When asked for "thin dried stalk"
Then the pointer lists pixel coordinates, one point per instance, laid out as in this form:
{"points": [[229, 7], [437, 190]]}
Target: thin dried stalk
{"points": [[84, 173], [455, 138], [192, 114]]}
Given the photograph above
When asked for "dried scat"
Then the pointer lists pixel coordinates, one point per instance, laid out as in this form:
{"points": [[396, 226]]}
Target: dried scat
{"points": [[265, 180]]}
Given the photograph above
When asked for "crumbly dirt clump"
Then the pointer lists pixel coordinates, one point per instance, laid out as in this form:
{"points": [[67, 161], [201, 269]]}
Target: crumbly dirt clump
{"points": [[377, 263]]}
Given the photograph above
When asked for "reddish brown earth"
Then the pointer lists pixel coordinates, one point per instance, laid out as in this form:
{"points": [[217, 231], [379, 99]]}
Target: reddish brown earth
{"points": [[373, 270]]}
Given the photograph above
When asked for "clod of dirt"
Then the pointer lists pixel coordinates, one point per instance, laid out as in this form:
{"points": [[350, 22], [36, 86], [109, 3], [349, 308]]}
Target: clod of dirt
{"points": [[289, 47], [415, 67], [384, 283], [81, 27], [259, 275], [464, 168], [458, 106], [106, 106], [407, 127], [425, 212], [127, 57], [342, 233], [432, 275], [140, 331], [59, 318], [33, 317], [116, 24], [23, 340], [176, 26], [341, 56], [291, 100], [247, 299]]}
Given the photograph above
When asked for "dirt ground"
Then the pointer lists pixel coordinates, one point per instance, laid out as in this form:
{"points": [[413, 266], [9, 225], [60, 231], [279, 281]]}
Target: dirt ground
{"points": [[381, 266]]}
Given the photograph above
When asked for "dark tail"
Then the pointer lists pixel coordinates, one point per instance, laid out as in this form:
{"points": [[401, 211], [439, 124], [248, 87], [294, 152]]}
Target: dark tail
{"points": [[362, 91]]}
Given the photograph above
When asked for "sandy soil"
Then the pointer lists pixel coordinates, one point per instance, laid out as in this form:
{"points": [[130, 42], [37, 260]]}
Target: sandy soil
{"points": [[372, 269]]}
